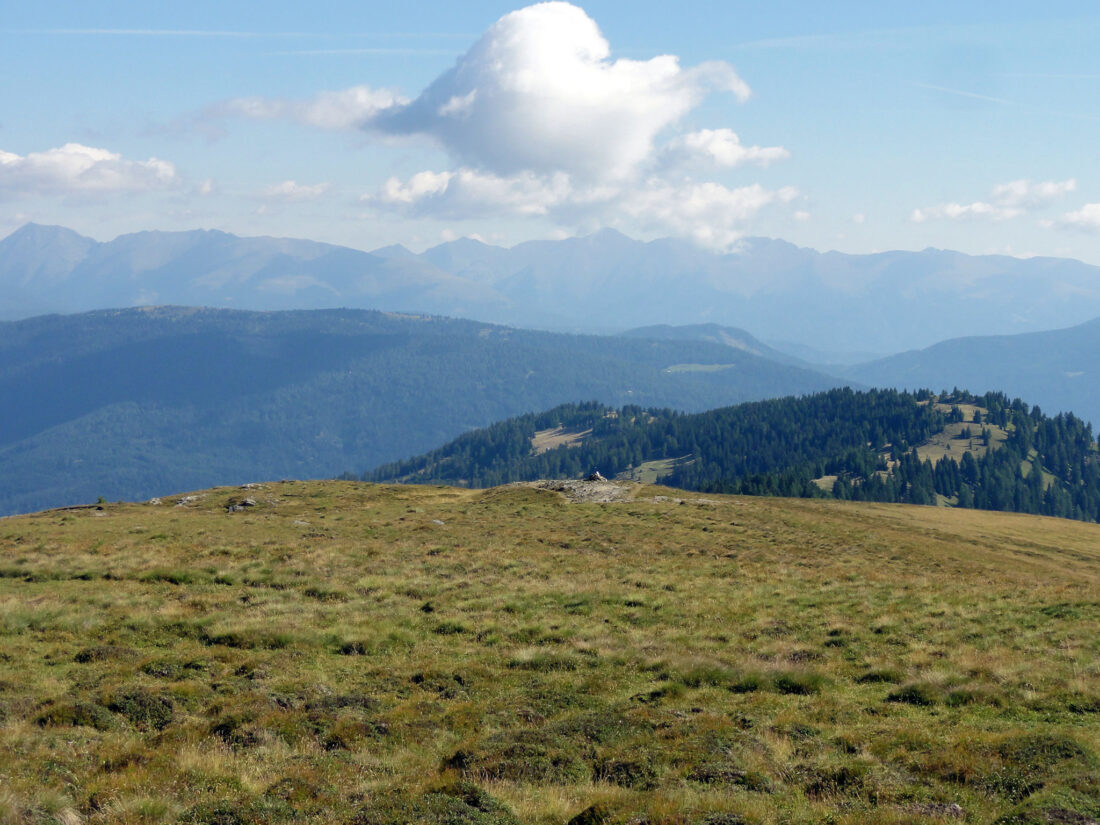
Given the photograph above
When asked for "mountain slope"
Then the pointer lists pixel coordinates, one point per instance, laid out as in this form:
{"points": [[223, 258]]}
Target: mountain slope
{"points": [[986, 452], [715, 333], [1059, 369], [130, 403]]}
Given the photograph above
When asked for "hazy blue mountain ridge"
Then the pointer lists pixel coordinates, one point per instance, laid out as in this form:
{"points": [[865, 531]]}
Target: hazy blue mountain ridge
{"points": [[1057, 369], [605, 282]]}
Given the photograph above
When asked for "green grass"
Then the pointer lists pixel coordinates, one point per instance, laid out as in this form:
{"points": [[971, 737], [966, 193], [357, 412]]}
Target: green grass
{"points": [[364, 654], [649, 472]]}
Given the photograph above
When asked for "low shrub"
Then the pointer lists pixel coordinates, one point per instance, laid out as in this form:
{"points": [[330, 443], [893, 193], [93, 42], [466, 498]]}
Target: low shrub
{"points": [[881, 675], [638, 773], [533, 756], [920, 694], [76, 714], [592, 815], [103, 653], [798, 683], [144, 709]]}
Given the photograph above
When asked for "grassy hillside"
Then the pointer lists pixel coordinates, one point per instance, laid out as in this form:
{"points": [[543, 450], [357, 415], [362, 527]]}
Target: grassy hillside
{"points": [[131, 403], [350, 653]]}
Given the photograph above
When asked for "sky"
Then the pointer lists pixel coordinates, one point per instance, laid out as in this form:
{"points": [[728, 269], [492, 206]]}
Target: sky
{"points": [[859, 127]]}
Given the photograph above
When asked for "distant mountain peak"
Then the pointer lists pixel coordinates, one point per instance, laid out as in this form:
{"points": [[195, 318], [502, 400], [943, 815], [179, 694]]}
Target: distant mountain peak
{"points": [[609, 232], [609, 237], [465, 242], [394, 250], [758, 243], [42, 232]]}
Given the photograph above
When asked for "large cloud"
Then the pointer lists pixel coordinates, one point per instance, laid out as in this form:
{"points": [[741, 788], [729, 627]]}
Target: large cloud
{"points": [[1007, 200], [538, 92], [75, 168], [542, 122]]}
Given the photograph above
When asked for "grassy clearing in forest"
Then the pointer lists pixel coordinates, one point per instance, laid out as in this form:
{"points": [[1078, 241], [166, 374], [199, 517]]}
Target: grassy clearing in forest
{"points": [[353, 653]]}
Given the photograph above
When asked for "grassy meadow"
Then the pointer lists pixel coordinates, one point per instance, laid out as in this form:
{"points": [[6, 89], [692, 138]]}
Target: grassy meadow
{"points": [[377, 655]]}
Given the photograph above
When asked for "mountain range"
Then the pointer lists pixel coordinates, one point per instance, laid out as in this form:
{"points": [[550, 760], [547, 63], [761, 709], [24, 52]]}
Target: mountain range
{"points": [[832, 302]]}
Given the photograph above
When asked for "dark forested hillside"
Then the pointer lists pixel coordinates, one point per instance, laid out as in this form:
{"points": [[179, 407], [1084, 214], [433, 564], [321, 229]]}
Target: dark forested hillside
{"points": [[134, 403], [987, 452]]}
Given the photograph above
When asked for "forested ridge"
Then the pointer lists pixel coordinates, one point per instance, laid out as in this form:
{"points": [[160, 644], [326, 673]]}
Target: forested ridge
{"points": [[841, 443]]}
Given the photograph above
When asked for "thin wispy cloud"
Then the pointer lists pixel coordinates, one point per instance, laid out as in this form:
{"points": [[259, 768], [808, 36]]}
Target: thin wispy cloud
{"points": [[1050, 76], [412, 52], [964, 93], [885, 38], [158, 32], [125, 32]]}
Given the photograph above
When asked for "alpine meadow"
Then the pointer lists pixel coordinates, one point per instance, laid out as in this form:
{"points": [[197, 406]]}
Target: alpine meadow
{"points": [[471, 414]]}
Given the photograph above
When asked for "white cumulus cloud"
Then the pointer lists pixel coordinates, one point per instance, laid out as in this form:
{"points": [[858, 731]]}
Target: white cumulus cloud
{"points": [[721, 148], [290, 190], [1007, 200], [1027, 195], [539, 92], [541, 121], [710, 213], [1087, 217], [468, 192], [74, 168]]}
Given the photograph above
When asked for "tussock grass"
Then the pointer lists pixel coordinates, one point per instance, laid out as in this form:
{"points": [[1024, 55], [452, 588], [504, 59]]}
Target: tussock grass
{"points": [[363, 654]]}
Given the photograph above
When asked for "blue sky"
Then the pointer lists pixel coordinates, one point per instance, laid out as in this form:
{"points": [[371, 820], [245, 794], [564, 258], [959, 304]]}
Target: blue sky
{"points": [[850, 126]]}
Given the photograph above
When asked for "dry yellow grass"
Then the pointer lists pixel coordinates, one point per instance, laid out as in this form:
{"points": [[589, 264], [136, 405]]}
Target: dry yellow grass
{"points": [[544, 440]]}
